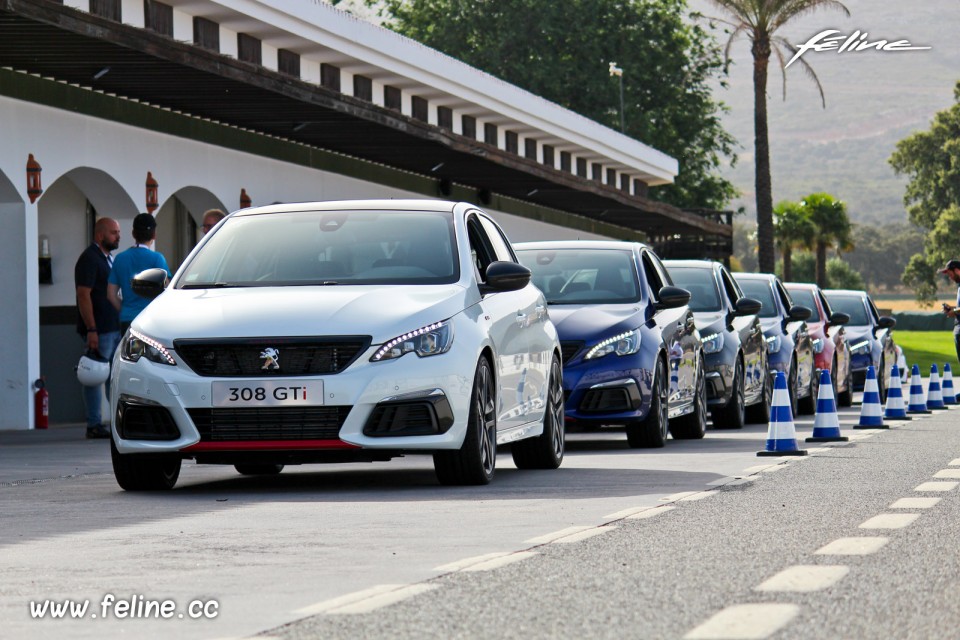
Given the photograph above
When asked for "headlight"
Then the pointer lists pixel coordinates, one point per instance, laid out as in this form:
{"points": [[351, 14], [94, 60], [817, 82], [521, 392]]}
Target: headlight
{"points": [[818, 345], [430, 340], [135, 345], [713, 343], [860, 348], [773, 344], [623, 344]]}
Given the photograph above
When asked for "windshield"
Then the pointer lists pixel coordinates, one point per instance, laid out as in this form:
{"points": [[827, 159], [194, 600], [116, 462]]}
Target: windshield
{"points": [[583, 276], [702, 285], [852, 306], [327, 247], [804, 298], [762, 291]]}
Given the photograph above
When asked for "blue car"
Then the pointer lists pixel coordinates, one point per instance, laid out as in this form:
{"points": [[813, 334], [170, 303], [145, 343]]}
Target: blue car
{"points": [[869, 335], [789, 347], [632, 354]]}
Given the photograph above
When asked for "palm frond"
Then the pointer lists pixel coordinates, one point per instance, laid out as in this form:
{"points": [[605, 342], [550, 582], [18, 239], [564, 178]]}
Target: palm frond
{"points": [[780, 41], [733, 36], [792, 9]]}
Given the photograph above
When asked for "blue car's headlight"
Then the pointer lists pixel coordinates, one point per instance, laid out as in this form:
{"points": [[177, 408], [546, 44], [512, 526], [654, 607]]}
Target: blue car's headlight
{"points": [[713, 343], [135, 345], [430, 340], [818, 345], [860, 348], [773, 344], [623, 344]]}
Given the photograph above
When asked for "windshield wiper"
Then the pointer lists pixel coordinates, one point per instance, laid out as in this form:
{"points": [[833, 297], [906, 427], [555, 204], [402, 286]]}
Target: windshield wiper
{"points": [[212, 285]]}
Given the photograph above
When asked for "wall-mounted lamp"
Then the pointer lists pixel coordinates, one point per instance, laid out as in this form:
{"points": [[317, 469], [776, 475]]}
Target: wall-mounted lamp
{"points": [[34, 183], [245, 200], [153, 200]]}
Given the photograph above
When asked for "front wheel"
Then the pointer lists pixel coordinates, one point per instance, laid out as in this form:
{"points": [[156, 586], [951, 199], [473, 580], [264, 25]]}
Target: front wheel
{"points": [[733, 415], [475, 461], [144, 471], [693, 426], [759, 413], [651, 432], [808, 405], [845, 397], [546, 450]]}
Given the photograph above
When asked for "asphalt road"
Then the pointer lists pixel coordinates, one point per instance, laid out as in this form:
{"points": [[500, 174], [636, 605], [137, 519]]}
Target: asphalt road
{"points": [[617, 543]]}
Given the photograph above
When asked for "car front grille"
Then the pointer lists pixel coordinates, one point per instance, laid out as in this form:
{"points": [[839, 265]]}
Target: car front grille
{"points": [[569, 349], [294, 356], [269, 423]]}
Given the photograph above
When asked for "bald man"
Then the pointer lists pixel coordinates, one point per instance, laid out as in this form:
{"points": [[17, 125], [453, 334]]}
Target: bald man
{"points": [[98, 323]]}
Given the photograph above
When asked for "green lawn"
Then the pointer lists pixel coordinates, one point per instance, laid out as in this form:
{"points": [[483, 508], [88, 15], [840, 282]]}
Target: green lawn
{"points": [[926, 347]]}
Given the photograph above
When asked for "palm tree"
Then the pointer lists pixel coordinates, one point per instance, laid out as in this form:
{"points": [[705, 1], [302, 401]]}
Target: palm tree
{"points": [[760, 20], [792, 229], [833, 228]]}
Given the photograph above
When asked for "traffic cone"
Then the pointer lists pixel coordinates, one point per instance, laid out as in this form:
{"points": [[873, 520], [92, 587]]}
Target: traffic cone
{"points": [[918, 402], [871, 413], [895, 409], [934, 395], [949, 395], [826, 426], [781, 435]]}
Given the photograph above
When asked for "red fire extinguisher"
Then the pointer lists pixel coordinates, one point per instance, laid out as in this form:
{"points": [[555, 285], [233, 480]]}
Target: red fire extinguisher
{"points": [[41, 404]]}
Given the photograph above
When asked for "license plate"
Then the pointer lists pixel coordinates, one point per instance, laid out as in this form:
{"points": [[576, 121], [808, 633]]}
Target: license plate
{"points": [[268, 393]]}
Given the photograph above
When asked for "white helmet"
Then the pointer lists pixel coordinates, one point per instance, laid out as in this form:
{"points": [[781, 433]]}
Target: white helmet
{"points": [[92, 370]]}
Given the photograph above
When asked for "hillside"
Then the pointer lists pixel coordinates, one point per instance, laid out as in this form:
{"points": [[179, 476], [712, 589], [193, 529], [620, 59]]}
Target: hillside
{"points": [[873, 98]]}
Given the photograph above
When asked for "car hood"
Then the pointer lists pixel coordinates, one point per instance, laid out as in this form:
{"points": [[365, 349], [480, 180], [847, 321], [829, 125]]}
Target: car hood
{"points": [[858, 333], [709, 321], [380, 311], [592, 322]]}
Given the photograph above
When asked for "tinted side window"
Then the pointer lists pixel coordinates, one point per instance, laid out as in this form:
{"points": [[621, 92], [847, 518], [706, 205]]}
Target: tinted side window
{"points": [[785, 298], [501, 247], [730, 287], [481, 251], [827, 311], [654, 280], [873, 311], [661, 270]]}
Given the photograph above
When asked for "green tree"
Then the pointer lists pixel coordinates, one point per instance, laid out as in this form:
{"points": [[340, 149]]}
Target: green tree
{"points": [[931, 160], [562, 51], [882, 252], [760, 21], [832, 228], [841, 275], [792, 229]]}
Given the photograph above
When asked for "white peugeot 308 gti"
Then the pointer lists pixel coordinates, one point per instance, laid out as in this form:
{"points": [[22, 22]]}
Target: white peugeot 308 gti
{"points": [[340, 331]]}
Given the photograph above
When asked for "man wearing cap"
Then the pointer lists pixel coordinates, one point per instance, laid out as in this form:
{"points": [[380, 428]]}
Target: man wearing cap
{"points": [[129, 263], [952, 271]]}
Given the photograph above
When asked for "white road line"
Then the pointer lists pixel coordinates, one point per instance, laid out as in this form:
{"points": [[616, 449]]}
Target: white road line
{"points": [[947, 473], [678, 496], [466, 562], [375, 597], [620, 515], [937, 486], [503, 561], [649, 513], [745, 622], [550, 537], [890, 521], [862, 546], [700, 495], [914, 503], [804, 578], [955, 462], [583, 535]]}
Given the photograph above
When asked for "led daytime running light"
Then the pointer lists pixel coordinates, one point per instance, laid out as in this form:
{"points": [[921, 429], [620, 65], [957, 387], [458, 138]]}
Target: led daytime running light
{"points": [[860, 345], [615, 339], [388, 346], [150, 342]]}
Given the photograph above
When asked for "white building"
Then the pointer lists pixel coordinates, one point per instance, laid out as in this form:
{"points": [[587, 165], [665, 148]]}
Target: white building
{"points": [[280, 100]]}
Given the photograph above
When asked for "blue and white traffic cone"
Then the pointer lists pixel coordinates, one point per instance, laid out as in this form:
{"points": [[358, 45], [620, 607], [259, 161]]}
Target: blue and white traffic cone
{"points": [[934, 395], [918, 401], [826, 426], [895, 409], [781, 434], [871, 413], [949, 395]]}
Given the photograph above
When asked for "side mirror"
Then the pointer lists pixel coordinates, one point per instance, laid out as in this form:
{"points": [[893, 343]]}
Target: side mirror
{"points": [[672, 297], [839, 318], [886, 322], [747, 307], [799, 313], [150, 283], [505, 276]]}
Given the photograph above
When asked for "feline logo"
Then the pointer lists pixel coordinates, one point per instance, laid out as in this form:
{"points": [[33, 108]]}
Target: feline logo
{"points": [[857, 41]]}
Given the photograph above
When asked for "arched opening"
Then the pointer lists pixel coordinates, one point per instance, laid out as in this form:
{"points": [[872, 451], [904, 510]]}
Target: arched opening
{"points": [[15, 320], [66, 213], [179, 223]]}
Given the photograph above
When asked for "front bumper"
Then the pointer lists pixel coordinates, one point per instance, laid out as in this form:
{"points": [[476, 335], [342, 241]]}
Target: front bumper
{"points": [[608, 391]]}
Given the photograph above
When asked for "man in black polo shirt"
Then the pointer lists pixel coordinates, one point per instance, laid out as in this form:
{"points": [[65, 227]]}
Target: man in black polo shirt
{"points": [[952, 271], [97, 321]]}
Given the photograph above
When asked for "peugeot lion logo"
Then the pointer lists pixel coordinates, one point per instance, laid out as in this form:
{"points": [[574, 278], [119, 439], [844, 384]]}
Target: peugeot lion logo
{"points": [[271, 359]]}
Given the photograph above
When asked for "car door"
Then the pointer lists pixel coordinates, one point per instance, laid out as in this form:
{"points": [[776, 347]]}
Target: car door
{"points": [[679, 335], [517, 330], [838, 335], [887, 345], [803, 347], [752, 344]]}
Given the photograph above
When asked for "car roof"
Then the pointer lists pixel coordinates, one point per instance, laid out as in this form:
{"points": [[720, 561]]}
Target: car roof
{"points": [[801, 285], [847, 292], [743, 275], [354, 205], [692, 264], [580, 244]]}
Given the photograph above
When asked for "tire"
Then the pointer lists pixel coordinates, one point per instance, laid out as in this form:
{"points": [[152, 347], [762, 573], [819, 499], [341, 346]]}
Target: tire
{"points": [[258, 469], [474, 463], [144, 471], [546, 450], [759, 413], [808, 405], [881, 383], [733, 416], [693, 426], [651, 432], [845, 398]]}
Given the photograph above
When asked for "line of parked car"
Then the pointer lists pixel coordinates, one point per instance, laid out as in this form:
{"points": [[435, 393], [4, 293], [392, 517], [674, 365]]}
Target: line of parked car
{"points": [[366, 330]]}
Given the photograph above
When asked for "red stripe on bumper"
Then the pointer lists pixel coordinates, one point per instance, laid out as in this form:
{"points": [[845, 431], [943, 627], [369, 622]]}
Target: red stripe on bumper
{"points": [[268, 445]]}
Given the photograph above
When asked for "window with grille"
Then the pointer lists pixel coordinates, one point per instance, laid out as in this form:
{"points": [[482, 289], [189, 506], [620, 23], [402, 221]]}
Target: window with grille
{"points": [[206, 33], [249, 49], [330, 76], [548, 155], [512, 141], [582, 167], [530, 148], [419, 107], [109, 9], [566, 161], [158, 17], [469, 126], [445, 117], [288, 63], [363, 88], [490, 133], [391, 98]]}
